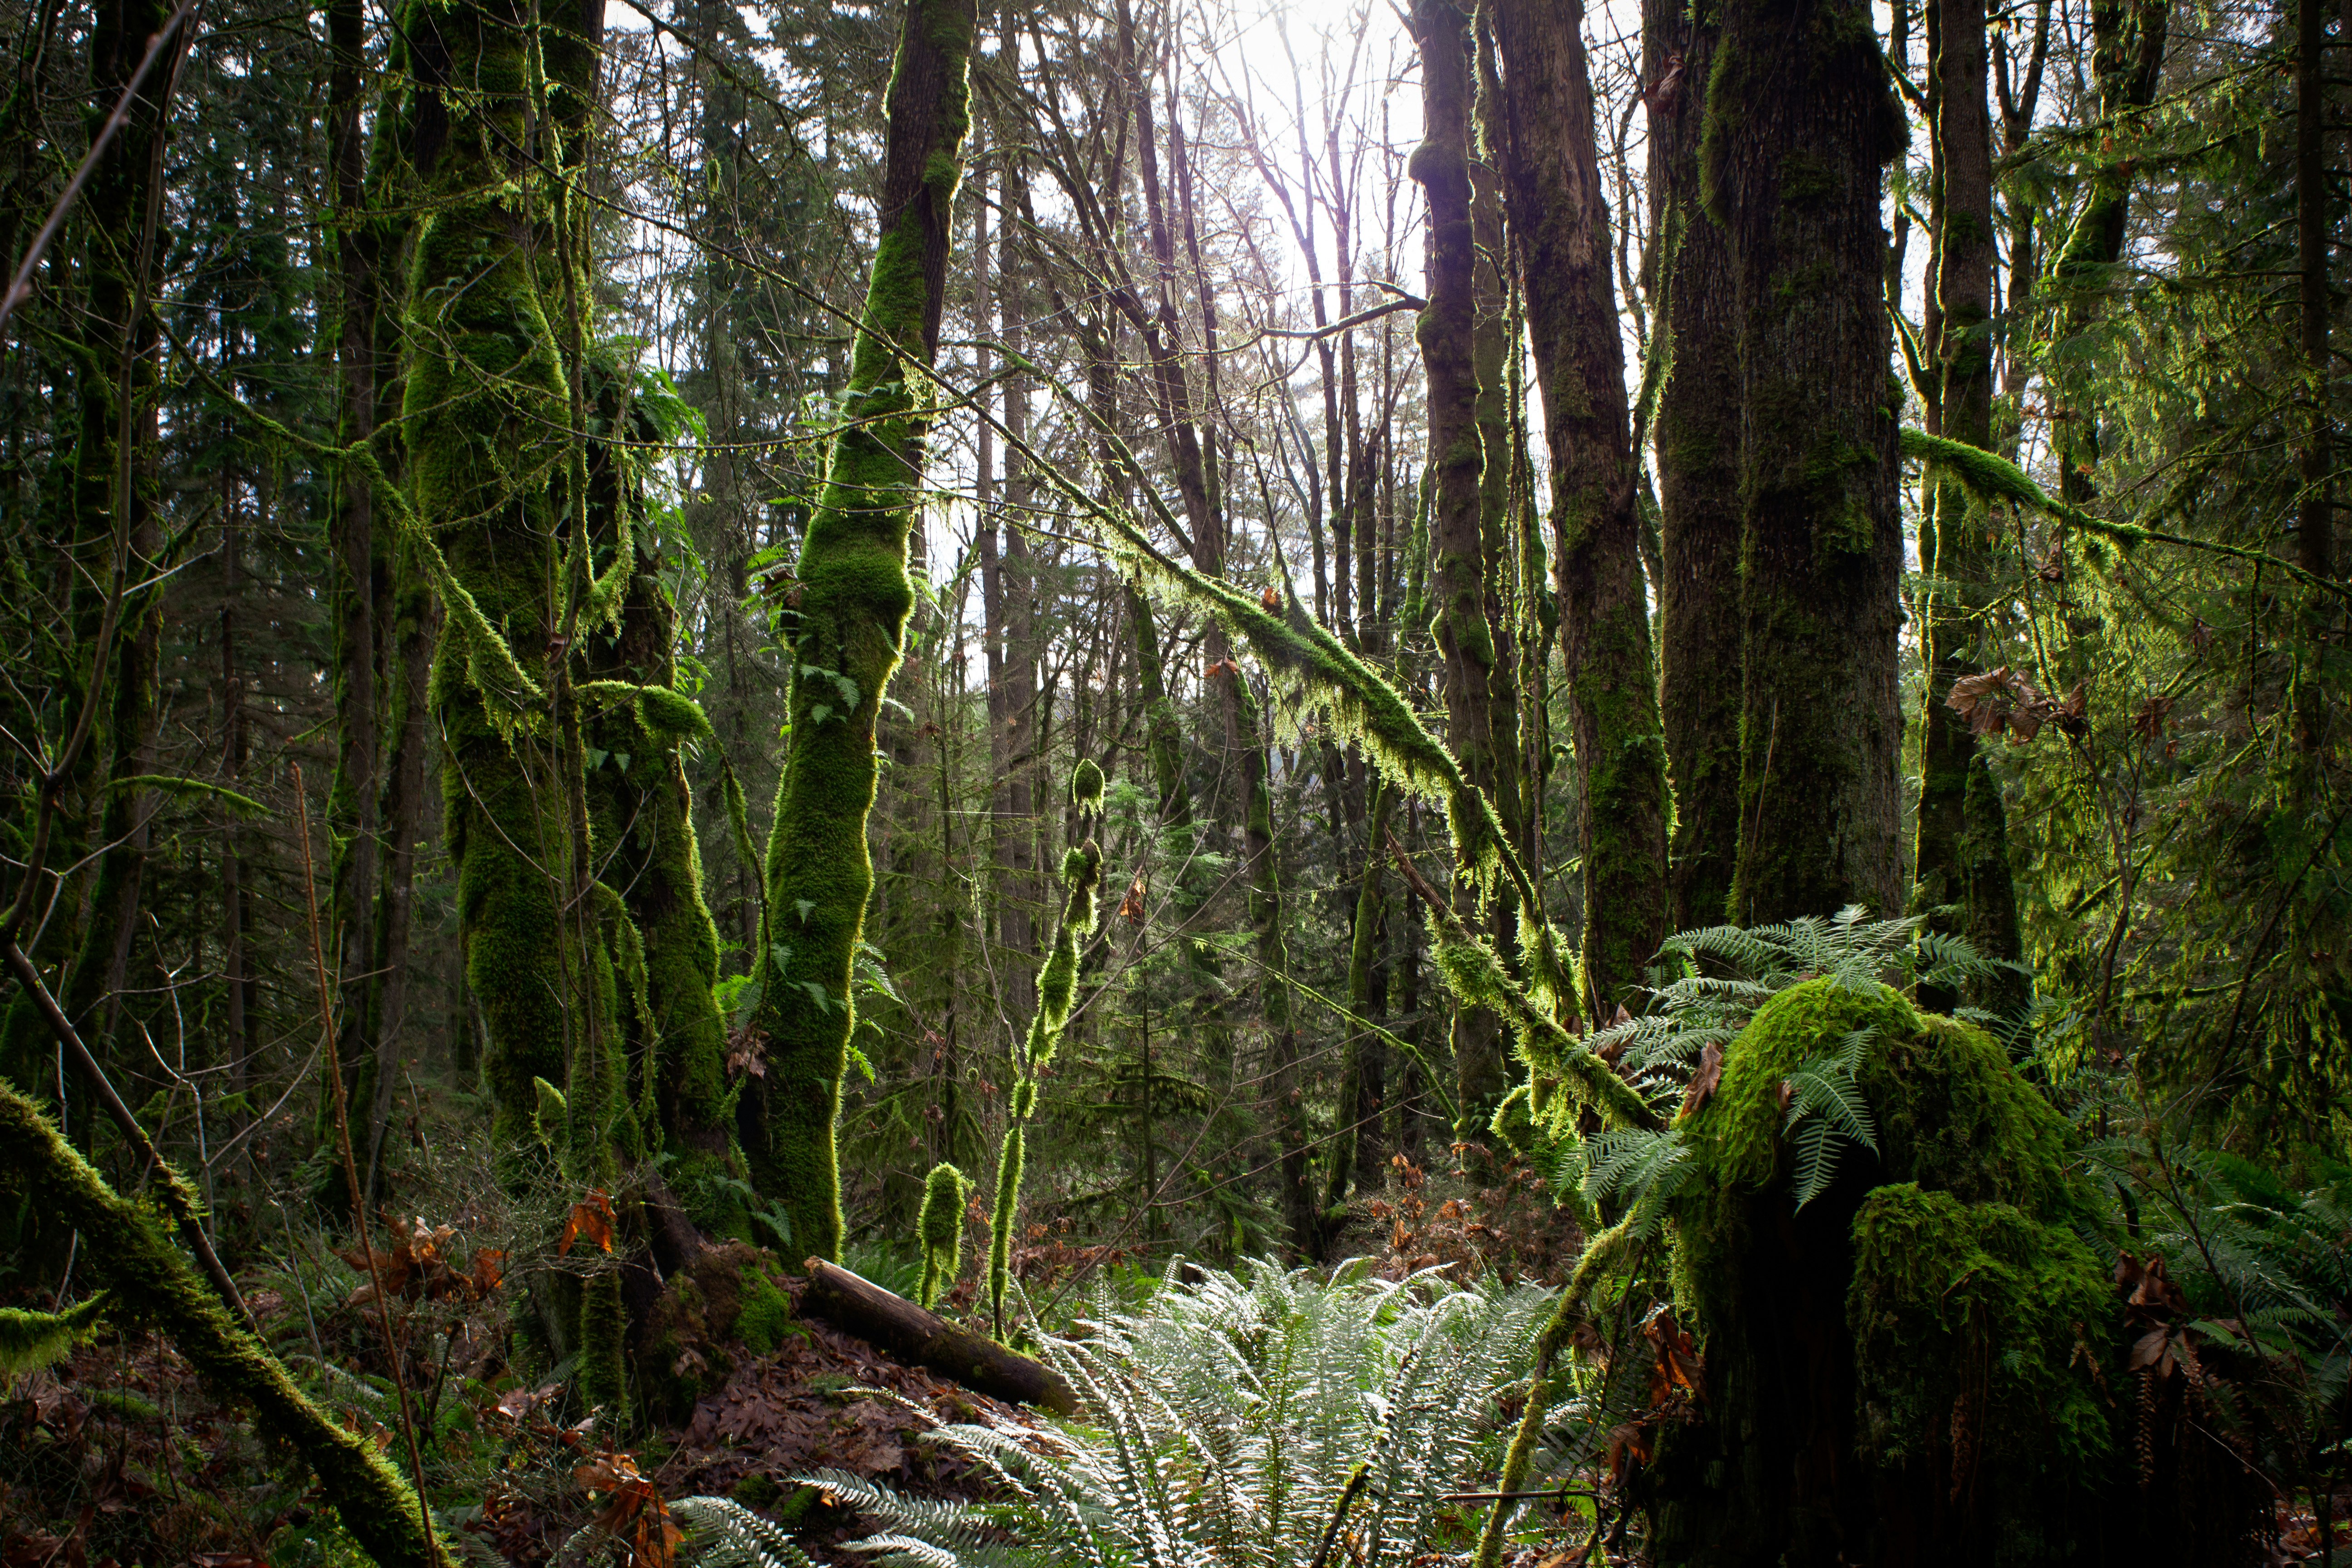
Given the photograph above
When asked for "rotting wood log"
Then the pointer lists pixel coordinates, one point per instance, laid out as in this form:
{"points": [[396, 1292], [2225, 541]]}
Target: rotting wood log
{"points": [[927, 1340]]}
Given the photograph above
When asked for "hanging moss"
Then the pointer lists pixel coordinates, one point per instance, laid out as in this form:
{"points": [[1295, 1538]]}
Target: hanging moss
{"points": [[30, 1341], [939, 1228]]}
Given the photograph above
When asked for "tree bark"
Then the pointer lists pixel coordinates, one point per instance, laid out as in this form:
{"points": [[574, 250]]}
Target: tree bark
{"points": [[1447, 334], [1800, 123], [1559, 224], [1698, 447], [1962, 848]]}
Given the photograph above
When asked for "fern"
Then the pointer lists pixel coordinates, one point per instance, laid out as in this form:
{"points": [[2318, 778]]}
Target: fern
{"points": [[1825, 1109], [1232, 1422], [723, 1534], [1640, 1171]]}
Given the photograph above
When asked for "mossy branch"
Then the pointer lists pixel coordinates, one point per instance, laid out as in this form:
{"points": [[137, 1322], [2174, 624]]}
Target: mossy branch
{"points": [[31, 1341], [1477, 976], [1057, 986], [1991, 478], [1300, 654], [152, 1282], [1602, 1255]]}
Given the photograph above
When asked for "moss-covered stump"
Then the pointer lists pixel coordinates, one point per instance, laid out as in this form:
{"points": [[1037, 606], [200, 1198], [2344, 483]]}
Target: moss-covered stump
{"points": [[691, 1337], [1915, 1366]]}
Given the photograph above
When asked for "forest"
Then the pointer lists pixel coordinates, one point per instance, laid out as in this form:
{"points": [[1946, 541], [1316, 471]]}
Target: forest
{"points": [[1175, 783]]}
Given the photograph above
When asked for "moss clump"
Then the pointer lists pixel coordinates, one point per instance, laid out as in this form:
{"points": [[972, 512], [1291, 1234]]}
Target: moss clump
{"points": [[765, 1313], [1086, 787], [1976, 1317], [940, 1227], [1965, 1372]]}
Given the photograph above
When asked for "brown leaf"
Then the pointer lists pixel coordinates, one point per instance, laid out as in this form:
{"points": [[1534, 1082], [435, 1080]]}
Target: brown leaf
{"points": [[592, 1217], [1705, 1081], [490, 1269], [1130, 908], [2153, 718], [1270, 599]]}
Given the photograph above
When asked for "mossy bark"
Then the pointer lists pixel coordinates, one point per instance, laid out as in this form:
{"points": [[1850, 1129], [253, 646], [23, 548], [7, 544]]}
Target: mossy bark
{"points": [[1447, 334], [152, 1282], [1697, 442], [855, 596], [1559, 224], [497, 447], [1961, 852], [641, 810], [1799, 121]]}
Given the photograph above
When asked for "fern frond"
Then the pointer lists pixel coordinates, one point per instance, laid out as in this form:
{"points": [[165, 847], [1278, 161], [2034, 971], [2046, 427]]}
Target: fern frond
{"points": [[722, 1533]]}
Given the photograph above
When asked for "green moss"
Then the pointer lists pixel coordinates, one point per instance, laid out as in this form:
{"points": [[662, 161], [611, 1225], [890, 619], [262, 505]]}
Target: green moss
{"points": [[1975, 1314], [764, 1313], [1976, 1311], [856, 595], [151, 1281], [30, 1341], [1737, 1130], [939, 1228], [1087, 786]]}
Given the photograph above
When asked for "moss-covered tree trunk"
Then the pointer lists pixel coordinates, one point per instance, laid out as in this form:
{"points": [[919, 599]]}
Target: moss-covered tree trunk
{"points": [[854, 598], [1800, 123], [1446, 332], [355, 577], [496, 445], [1697, 446], [1962, 848], [642, 811], [1560, 222]]}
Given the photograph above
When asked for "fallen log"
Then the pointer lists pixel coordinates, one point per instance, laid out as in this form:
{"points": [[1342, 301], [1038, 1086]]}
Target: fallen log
{"points": [[927, 1340]]}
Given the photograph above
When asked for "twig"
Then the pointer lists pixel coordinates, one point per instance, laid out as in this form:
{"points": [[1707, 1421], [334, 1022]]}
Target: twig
{"points": [[176, 1197], [343, 1138], [21, 285]]}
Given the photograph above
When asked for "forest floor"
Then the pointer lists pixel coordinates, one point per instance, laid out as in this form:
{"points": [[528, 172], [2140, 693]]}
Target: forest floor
{"points": [[119, 1457]]}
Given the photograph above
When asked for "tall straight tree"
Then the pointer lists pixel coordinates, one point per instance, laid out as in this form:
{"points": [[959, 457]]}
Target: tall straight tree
{"points": [[1697, 446], [1560, 227], [1800, 122], [854, 596], [1962, 856], [1457, 457]]}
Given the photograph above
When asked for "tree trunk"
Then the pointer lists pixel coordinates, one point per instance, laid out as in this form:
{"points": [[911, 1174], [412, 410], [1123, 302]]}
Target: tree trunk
{"points": [[854, 600], [1697, 446], [1447, 334], [1962, 853], [1560, 222], [1800, 123], [354, 799]]}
